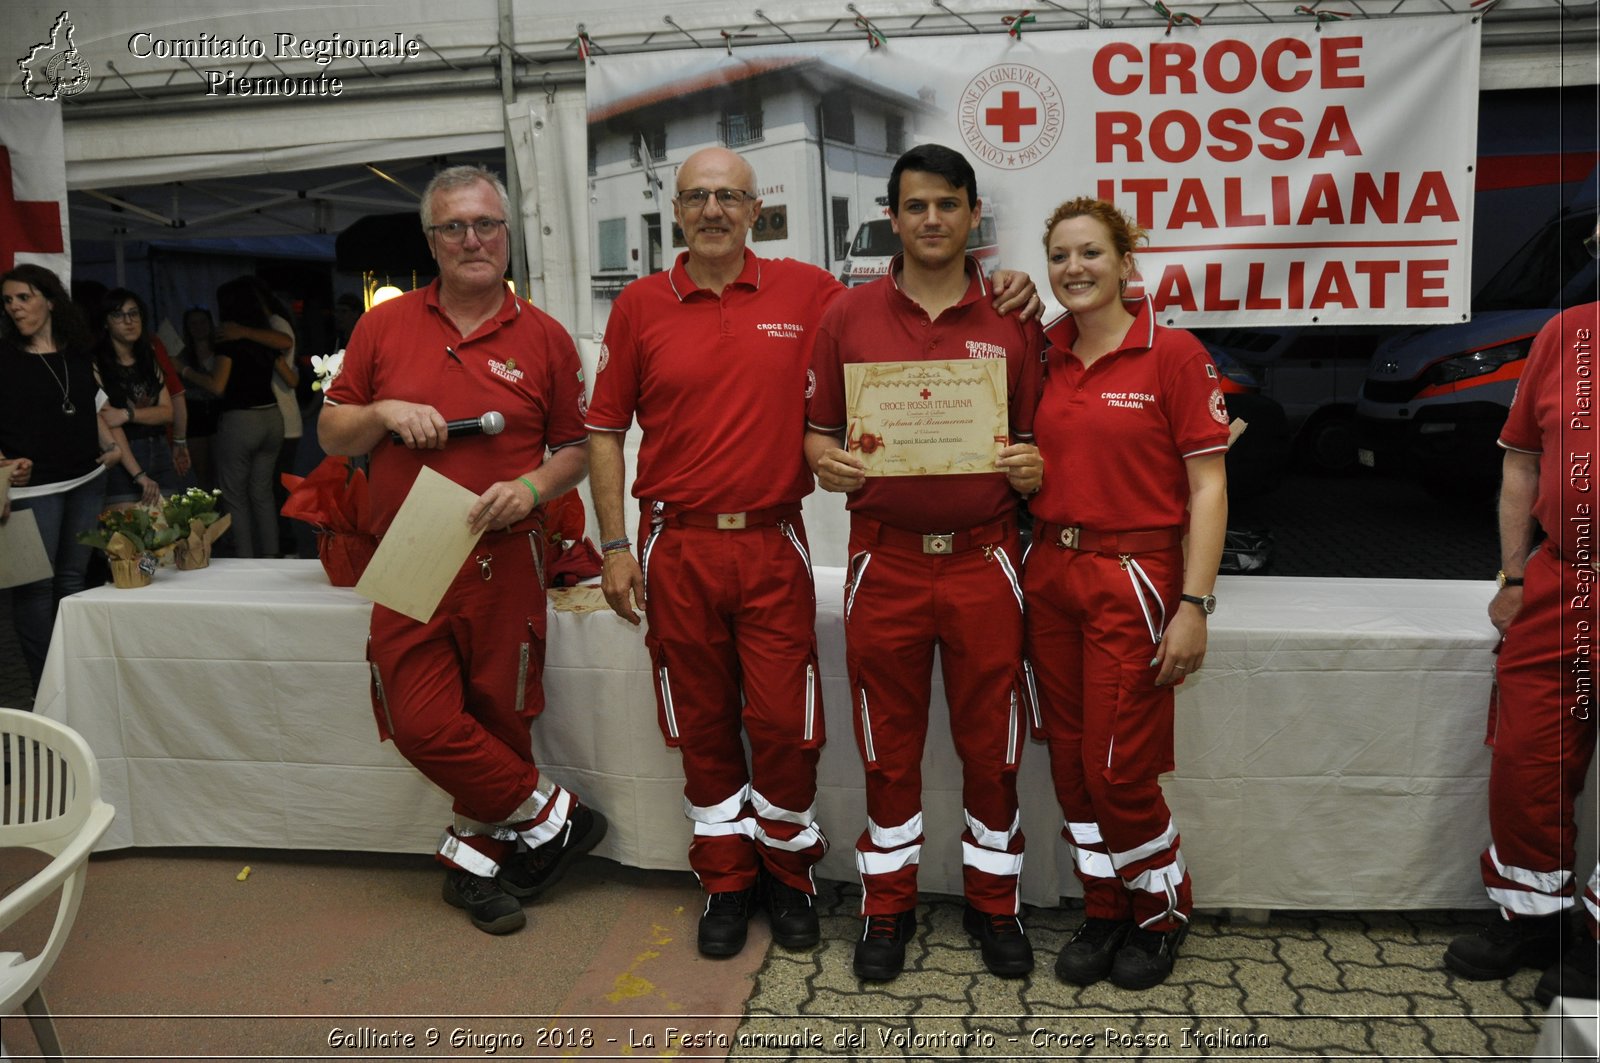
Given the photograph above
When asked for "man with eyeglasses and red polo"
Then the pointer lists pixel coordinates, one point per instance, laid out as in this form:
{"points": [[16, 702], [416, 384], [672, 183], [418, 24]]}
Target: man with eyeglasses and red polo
{"points": [[712, 357], [456, 693]]}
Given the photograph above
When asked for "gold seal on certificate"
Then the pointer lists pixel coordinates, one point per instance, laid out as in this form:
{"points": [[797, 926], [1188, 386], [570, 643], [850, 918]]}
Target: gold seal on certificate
{"points": [[926, 418]]}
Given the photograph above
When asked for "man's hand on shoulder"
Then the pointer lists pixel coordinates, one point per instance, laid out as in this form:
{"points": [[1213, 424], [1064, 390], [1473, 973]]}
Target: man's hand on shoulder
{"points": [[1014, 290]]}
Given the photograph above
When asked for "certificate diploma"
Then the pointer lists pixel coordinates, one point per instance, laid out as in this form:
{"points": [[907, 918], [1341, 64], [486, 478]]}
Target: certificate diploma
{"points": [[934, 418]]}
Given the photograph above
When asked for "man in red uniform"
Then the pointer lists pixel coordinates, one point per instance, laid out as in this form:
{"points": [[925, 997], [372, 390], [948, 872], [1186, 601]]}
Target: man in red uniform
{"points": [[1542, 719], [712, 357], [932, 563], [456, 693]]}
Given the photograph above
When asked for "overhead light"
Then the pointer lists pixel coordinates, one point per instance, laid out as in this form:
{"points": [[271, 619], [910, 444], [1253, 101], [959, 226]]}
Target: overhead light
{"points": [[385, 293]]}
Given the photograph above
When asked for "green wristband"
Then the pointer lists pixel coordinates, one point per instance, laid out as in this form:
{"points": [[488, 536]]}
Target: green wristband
{"points": [[524, 481]]}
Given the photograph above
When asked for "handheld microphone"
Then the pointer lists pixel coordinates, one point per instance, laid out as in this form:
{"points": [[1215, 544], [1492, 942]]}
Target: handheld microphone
{"points": [[490, 424]]}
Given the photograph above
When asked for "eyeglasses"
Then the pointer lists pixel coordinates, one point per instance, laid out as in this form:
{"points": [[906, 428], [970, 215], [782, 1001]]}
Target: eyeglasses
{"points": [[454, 232], [727, 198], [124, 315]]}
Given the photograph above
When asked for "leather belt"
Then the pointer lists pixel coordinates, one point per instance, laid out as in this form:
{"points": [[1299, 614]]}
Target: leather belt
{"points": [[750, 518], [942, 543], [1073, 537]]}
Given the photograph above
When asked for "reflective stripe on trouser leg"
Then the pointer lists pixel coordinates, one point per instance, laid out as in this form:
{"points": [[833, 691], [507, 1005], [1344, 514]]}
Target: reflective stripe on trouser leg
{"points": [[462, 852], [991, 862], [1522, 892], [788, 831], [550, 805], [1156, 874], [887, 859], [715, 826], [1591, 901], [1103, 894]]}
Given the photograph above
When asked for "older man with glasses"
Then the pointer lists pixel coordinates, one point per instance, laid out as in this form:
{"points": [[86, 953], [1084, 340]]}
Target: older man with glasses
{"points": [[712, 356], [456, 693]]}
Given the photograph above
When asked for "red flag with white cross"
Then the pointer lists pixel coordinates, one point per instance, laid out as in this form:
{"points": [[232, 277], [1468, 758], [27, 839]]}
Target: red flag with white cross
{"points": [[33, 187]]}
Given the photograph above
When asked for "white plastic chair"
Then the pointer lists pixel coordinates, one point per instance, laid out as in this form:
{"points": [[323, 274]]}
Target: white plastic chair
{"points": [[50, 803]]}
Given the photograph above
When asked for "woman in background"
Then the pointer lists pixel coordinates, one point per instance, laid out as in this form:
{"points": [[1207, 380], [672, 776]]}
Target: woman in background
{"points": [[52, 439], [247, 352], [137, 401], [197, 353]]}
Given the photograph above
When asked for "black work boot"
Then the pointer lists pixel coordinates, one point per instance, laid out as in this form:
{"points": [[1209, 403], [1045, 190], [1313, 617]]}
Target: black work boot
{"points": [[1006, 950], [1505, 946], [725, 922], [532, 871], [1146, 958], [1574, 976], [1086, 959], [792, 914], [881, 952], [490, 908]]}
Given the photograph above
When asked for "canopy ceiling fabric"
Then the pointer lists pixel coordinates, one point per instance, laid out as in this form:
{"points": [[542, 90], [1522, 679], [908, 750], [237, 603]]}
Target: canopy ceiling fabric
{"points": [[146, 119]]}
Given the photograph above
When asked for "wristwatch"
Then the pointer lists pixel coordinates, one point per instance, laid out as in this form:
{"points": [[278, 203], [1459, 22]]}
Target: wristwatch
{"points": [[1207, 603], [1507, 581]]}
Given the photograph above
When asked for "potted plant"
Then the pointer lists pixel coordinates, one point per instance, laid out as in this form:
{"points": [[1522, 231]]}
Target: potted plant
{"points": [[195, 524], [130, 538]]}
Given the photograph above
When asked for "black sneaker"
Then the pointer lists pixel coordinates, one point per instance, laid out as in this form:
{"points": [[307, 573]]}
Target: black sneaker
{"points": [[1505, 946], [792, 913], [725, 921], [490, 908], [1006, 950], [1086, 959], [881, 952], [532, 871], [1574, 976], [1146, 958]]}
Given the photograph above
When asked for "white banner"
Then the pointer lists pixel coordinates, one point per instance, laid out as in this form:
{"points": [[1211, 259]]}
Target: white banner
{"points": [[33, 188], [1285, 174]]}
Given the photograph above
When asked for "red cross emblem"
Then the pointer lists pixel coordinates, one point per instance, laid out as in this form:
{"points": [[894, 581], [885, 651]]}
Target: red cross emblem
{"points": [[25, 225], [926, 394], [1010, 116]]}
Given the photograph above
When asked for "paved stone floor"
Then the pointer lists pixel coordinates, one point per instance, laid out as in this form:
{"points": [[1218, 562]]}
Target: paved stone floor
{"points": [[1301, 985]]}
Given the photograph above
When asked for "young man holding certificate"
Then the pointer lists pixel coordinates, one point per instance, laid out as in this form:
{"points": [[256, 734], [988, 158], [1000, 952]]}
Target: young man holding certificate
{"points": [[926, 385]]}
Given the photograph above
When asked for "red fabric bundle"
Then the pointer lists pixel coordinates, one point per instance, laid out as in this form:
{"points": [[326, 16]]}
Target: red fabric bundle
{"points": [[333, 500]]}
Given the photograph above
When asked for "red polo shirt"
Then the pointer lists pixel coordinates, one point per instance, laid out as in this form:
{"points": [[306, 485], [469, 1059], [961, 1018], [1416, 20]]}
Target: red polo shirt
{"points": [[1550, 417], [520, 362], [880, 323], [718, 383], [1115, 436]]}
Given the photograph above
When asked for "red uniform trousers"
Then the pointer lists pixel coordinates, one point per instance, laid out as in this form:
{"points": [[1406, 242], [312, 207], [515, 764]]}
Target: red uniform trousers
{"points": [[456, 695], [900, 603], [1093, 622], [732, 640], [1542, 731]]}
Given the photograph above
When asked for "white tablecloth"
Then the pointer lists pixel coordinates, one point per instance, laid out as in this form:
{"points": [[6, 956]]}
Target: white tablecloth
{"points": [[1330, 755]]}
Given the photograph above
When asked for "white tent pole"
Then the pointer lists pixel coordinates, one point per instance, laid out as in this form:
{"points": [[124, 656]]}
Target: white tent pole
{"points": [[508, 96]]}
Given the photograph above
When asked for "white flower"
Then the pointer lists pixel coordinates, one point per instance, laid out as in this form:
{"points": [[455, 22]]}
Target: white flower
{"points": [[326, 367]]}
